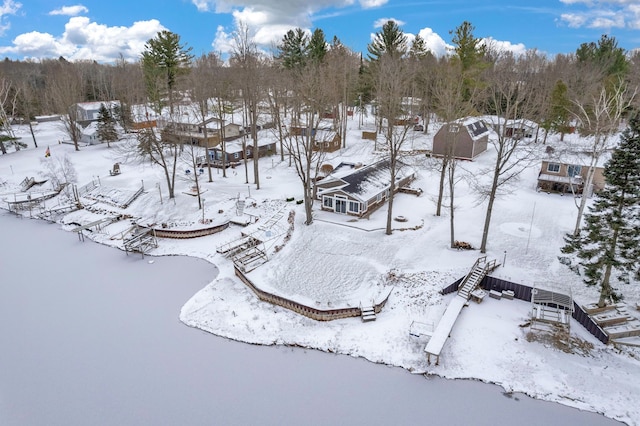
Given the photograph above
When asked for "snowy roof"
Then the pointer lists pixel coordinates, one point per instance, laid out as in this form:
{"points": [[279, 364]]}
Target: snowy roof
{"points": [[141, 112], [236, 145], [94, 106], [474, 126], [570, 153], [522, 123], [91, 129], [365, 182], [576, 180]]}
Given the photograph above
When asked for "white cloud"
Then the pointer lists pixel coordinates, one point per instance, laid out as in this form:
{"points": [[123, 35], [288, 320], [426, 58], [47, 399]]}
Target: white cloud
{"points": [[370, 4], [505, 46], [8, 7], [573, 20], [223, 41], [271, 19], [434, 42], [380, 22], [70, 10], [602, 14], [84, 39], [201, 5], [616, 21]]}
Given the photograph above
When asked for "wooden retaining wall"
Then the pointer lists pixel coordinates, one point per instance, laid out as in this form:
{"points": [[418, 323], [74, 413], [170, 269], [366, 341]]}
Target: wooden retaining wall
{"points": [[299, 308], [194, 233]]}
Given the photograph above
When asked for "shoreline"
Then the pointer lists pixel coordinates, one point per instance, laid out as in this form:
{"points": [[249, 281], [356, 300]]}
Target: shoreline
{"points": [[506, 388]]}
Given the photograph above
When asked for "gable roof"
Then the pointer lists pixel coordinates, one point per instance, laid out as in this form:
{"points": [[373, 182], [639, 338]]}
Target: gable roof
{"points": [[365, 182], [474, 126]]}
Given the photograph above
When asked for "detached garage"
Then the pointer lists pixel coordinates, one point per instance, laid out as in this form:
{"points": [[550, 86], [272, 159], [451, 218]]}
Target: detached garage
{"points": [[464, 139]]}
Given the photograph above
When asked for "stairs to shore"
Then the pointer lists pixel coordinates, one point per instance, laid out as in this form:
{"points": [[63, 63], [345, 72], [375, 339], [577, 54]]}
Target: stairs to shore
{"points": [[368, 314], [473, 279]]}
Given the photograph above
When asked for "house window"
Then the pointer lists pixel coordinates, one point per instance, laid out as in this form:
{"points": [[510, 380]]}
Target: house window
{"points": [[574, 170], [236, 155], [553, 167], [354, 206], [454, 128], [248, 153], [378, 198], [327, 202]]}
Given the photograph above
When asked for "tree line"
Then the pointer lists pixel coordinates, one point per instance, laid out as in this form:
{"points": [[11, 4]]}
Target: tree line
{"points": [[306, 79]]}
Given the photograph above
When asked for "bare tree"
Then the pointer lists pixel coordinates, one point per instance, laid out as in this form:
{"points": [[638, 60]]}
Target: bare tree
{"points": [[8, 100], [450, 104], [128, 85], [343, 64], [392, 83], [202, 81], [247, 60], [65, 89], [277, 96], [305, 144], [600, 116], [190, 157], [60, 172], [163, 153], [509, 97], [27, 105]]}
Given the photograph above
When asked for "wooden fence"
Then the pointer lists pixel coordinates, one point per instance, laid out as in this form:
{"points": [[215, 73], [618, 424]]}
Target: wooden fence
{"points": [[523, 292]]}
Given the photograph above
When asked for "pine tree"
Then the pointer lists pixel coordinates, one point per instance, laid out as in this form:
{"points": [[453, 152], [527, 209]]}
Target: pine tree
{"points": [[419, 49], [106, 126], [122, 115], [390, 40], [164, 59], [610, 240], [558, 119], [470, 51], [468, 48], [606, 55], [317, 48], [293, 49]]}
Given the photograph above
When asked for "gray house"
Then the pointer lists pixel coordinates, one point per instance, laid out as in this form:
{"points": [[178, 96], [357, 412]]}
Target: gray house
{"points": [[87, 112], [358, 190], [464, 139]]}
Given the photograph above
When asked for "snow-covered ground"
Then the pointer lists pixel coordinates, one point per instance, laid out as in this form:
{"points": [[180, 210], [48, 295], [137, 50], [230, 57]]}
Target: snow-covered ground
{"points": [[342, 261]]}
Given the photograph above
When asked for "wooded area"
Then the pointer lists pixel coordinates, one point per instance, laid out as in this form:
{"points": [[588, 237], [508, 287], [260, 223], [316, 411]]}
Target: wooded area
{"points": [[307, 81]]}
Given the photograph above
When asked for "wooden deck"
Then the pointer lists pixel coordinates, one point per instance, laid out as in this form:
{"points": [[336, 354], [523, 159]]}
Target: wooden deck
{"points": [[440, 335]]}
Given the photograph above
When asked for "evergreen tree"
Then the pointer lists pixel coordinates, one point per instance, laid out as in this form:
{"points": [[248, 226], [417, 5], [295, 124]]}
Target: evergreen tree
{"points": [[317, 48], [164, 60], [293, 49], [122, 115], [606, 55], [419, 49], [610, 240], [106, 126], [389, 40], [470, 51], [559, 112]]}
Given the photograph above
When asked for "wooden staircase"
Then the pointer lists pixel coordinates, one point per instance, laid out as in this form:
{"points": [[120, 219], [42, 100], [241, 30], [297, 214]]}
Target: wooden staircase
{"points": [[368, 314], [473, 279]]}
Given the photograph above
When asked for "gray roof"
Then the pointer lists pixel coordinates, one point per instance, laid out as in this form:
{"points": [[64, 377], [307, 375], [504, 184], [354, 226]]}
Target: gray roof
{"points": [[365, 182]]}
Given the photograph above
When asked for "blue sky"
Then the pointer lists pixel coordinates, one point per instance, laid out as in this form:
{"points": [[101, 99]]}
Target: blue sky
{"points": [[102, 29]]}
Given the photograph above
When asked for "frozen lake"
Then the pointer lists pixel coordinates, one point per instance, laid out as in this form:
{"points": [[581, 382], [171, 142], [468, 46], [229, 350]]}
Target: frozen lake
{"points": [[92, 336]]}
